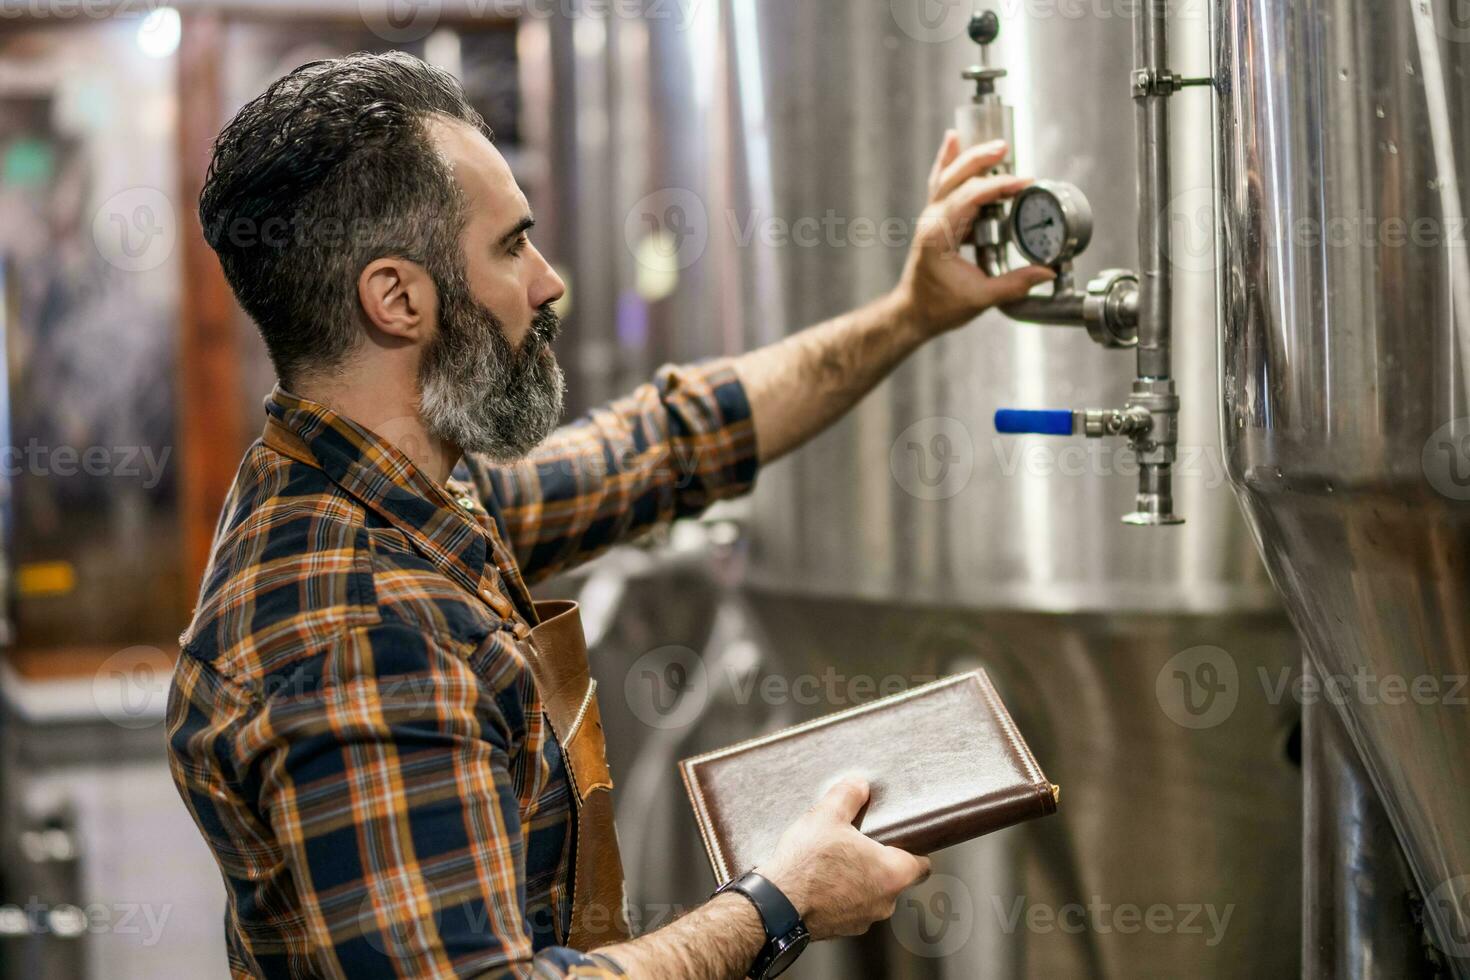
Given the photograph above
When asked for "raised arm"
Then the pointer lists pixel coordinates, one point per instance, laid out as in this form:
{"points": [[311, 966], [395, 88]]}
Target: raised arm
{"points": [[696, 435], [669, 449]]}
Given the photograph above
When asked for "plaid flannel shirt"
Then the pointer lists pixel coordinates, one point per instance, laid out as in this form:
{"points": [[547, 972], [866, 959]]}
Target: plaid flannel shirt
{"points": [[353, 721]]}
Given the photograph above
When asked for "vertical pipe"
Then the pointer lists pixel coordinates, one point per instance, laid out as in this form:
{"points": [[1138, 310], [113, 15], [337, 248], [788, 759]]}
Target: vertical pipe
{"points": [[1154, 388], [1357, 893], [1150, 37]]}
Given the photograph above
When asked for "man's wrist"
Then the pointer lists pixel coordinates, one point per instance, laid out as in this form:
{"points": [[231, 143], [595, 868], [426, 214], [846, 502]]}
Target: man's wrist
{"points": [[901, 311], [752, 930], [786, 882], [785, 933]]}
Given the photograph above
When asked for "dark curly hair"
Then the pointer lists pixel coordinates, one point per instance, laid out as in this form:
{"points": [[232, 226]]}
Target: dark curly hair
{"points": [[331, 168]]}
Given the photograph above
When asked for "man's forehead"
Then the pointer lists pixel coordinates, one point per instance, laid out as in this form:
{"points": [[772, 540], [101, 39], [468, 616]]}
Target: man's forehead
{"points": [[479, 168]]}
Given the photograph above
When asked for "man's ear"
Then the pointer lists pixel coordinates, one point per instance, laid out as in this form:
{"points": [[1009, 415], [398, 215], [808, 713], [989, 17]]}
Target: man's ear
{"points": [[398, 298]]}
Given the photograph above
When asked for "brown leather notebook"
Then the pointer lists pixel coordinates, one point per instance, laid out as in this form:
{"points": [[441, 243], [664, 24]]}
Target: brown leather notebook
{"points": [[944, 764]]}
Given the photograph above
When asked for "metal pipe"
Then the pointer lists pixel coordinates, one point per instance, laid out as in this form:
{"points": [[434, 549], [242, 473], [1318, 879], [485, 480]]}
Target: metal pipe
{"points": [[1154, 388], [1358, 897], [1150, 34], [1064, 307]]}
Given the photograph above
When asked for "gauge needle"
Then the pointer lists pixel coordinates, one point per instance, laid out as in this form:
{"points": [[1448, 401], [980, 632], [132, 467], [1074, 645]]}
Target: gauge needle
{"points": [[1045, 224]]}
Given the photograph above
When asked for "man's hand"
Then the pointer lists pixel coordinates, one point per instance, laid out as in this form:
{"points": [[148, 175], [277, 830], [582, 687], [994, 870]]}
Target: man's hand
{"points": [[799, 386], [840, 880], [942, 288]]}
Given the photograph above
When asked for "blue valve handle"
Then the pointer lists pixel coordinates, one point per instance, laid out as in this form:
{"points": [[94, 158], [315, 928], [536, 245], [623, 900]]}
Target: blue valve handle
{"points": [[1015, 421]]}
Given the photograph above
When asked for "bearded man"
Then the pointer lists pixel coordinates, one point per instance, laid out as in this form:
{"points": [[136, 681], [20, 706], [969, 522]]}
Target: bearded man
{"points": [[394, 754]]}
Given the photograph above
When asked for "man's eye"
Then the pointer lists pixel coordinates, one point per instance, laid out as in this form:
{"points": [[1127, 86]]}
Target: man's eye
{"points": [[519, 245]]}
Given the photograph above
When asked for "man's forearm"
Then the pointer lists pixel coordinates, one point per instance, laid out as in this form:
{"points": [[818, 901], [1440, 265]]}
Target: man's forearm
{"points": [[717, 941], [799, 386]]}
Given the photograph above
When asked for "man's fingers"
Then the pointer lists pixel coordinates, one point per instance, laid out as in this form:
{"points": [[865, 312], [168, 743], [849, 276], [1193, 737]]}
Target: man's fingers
{"points": [[843, 801], [957, 214], [1011, 286], [974, 162], [949, 148], [906, 869]]}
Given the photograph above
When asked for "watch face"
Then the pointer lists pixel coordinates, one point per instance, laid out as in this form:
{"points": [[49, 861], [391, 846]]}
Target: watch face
{"points": [[793, 946]]}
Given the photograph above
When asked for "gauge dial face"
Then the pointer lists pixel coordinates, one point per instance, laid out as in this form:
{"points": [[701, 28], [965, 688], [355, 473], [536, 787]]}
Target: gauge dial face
{"points": [[1041, 226]]}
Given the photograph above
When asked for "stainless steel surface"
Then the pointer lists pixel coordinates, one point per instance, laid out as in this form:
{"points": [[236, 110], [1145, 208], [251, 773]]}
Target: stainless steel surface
{"points": [[871, 509], [1344, 148], [1360, 908], [1201, 825]]}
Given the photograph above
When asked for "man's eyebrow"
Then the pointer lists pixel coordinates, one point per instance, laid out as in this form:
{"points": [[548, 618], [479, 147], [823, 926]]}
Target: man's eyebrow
{"points": [[521, 227]]}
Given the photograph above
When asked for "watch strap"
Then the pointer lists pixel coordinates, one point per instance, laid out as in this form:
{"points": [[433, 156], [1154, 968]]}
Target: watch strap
{"points": [[778, 915]]}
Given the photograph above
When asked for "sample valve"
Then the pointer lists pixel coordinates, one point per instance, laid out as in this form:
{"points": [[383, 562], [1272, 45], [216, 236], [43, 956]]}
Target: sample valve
{"points": [[1050, 223]]}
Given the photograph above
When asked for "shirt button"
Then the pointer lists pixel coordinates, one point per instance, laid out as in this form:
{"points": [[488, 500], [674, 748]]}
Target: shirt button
{"points": [[498, 602]]}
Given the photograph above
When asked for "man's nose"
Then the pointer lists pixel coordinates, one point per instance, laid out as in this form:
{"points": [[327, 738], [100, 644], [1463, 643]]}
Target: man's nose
{"points": [[547, 287]]}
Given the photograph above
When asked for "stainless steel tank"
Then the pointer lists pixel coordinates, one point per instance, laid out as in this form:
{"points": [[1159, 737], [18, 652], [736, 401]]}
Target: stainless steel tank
{"points": [[738, 169], [1344, 151], [870, 555]]}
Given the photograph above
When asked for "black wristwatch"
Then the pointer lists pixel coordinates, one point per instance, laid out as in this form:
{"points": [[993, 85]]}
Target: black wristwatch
{"points": [[786, 935]]}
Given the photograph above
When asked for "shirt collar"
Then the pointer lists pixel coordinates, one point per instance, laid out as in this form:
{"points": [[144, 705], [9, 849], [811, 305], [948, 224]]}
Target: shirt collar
{"points": [[375, 472]]}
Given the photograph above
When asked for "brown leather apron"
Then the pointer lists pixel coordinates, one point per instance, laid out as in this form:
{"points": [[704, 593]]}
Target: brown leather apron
{"points": [[569, 701]]}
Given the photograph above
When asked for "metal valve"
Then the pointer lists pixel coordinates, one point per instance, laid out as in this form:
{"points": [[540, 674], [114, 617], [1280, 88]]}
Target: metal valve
{"points": [[984, 29]]}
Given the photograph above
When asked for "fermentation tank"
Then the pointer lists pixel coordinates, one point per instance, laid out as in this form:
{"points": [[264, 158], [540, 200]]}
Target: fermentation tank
{"points": [[736, 170], [1344, 138]]}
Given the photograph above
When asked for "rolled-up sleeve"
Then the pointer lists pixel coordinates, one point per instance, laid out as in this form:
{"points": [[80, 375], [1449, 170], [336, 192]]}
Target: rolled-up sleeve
{"points": [[390, 795], [667, 450]]}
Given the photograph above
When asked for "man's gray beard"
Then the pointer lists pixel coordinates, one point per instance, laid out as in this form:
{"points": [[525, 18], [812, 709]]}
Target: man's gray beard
{"points": [[479, 394]]}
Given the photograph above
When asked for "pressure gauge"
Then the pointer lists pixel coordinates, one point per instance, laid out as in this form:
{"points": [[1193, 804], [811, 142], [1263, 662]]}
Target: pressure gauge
{"points": [[1051, 222]]}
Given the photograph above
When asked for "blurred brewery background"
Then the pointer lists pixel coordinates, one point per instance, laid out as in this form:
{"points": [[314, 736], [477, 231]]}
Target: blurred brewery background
{"points": [[708, 175]]}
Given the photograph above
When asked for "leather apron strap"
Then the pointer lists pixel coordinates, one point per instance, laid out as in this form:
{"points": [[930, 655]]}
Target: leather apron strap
{"points": [[569, 700]]}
